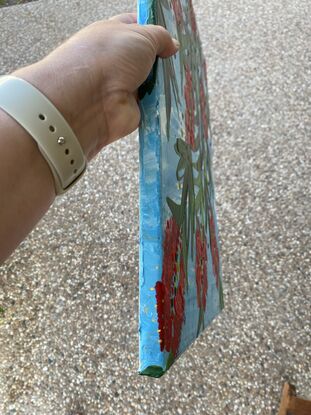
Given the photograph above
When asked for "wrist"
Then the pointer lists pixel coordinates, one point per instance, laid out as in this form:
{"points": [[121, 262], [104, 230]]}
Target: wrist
{"points": [[71, 93]]}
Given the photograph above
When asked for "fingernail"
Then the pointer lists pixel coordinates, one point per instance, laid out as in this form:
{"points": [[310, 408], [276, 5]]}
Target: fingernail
{"points": [[176, 43]]}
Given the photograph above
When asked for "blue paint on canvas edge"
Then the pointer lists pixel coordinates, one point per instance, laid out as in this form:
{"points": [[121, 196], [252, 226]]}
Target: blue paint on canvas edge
{"points": [[150, 232]]}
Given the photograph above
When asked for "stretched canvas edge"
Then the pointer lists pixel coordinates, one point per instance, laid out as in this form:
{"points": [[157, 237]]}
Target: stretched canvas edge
{"points": [[149, 144]]}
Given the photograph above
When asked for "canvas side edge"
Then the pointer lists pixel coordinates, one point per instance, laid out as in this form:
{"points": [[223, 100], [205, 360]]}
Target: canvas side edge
{"points": [[151, 359]]}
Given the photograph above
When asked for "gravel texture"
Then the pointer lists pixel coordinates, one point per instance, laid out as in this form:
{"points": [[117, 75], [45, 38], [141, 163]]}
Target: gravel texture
{"points": [[69, 294], [13, 2]]}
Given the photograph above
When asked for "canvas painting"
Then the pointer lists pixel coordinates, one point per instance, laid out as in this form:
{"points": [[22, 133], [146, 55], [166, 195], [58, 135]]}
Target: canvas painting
{"points": [[180, 270]]}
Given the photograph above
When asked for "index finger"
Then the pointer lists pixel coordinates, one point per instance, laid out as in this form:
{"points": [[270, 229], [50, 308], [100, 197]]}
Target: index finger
{"points": [[164, 45]]}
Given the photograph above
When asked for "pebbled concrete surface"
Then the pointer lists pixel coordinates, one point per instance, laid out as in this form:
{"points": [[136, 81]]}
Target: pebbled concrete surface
{"points": [[4, 3], [69, 293]]}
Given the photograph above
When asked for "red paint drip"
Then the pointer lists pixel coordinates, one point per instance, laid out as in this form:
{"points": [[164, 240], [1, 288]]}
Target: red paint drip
{"points": [[170, 290], [214, 248], [178, 12], [193, 20], [201, 267], [203, 110], [190, 108]]}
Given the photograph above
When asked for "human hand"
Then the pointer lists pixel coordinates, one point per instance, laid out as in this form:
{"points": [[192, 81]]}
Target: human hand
{"points": [[94, 76]]}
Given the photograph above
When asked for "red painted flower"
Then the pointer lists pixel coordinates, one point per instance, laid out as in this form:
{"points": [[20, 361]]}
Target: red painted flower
{"points": [[193, 20], [170, 290], [201, 267], [203, 107], [214, 247], [177, 11], [190, 108]]}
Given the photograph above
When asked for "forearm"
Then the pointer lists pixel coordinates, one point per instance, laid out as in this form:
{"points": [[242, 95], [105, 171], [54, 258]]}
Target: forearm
{"points": [[26, 185], [92, 79]]}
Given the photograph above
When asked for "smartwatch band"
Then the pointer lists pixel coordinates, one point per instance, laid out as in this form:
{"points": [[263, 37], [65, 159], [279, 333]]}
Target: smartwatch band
{"points": [[56, 140]]}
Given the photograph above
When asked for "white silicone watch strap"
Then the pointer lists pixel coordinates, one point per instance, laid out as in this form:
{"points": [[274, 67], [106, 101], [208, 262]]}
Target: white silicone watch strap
{"points": [[56, 140]]}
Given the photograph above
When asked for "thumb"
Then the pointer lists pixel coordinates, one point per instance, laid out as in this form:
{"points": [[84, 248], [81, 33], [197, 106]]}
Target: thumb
{"points": [[163, 43], [124, 18]]}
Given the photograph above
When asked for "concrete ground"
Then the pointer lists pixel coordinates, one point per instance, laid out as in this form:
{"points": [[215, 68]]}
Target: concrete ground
{"points": [[13, 2], [69, 294]]}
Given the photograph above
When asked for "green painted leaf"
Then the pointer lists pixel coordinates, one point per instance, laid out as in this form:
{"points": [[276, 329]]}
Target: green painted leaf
{"points": [[176, 210], [181, 147], [168, 97], [199, 163], [153, 371], [170, 360], [181, 167], [172, 75], [198, 200], [184, 248]]}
